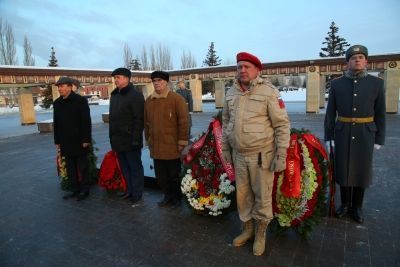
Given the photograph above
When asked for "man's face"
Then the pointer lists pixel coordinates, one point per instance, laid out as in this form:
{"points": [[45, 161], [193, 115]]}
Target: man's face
{"points": [[64, 90], [121, 81], [181, 85], [247, 71], [357, 62], [160, 85]]}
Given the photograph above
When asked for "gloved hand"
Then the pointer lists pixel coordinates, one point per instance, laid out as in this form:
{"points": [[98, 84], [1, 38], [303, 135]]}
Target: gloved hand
{"points": [[226, 154], [278, 164], [328, 145], [377, 147]]}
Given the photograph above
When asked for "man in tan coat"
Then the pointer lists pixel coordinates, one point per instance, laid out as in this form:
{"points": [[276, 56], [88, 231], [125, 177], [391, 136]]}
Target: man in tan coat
{"points": [[167, 133], [256, 133]]}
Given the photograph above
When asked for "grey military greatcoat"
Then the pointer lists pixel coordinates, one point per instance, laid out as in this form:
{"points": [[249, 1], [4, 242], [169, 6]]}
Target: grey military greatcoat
{"points": [[354, 142]]}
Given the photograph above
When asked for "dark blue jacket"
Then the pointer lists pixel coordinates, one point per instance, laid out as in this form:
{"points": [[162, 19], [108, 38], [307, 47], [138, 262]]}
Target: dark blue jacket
{"points": [[126, 119]]}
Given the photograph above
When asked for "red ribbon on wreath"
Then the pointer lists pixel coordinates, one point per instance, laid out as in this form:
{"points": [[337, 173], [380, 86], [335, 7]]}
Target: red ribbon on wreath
{"points": [[292, 182], [215, 127]]}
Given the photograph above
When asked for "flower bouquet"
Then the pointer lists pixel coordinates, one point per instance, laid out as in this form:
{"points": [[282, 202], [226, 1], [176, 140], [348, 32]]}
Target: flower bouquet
{"points": [[208, 181], [299, 193], [62, 169], [110, 175]]}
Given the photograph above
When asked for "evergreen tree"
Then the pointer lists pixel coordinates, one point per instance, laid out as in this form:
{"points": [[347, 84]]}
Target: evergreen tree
{"points": [[135, 64], [335, 45], [47, 97], [53, 59], [211, 58]]}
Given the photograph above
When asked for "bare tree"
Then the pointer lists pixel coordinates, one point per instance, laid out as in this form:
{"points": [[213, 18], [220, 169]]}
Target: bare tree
{"points": [[7, 45], [164, 57], [153, 61], [144, 59], [160, 58], [188, 60], [127, 56], [229, 61], [29, 60]]}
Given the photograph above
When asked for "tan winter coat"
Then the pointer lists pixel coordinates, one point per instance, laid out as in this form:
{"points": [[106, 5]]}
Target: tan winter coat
{"points": [[165, 124], [255, 121]]}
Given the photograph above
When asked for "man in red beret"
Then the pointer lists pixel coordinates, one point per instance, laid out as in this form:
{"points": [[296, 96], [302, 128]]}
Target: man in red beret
{"points": [[256, 133]]}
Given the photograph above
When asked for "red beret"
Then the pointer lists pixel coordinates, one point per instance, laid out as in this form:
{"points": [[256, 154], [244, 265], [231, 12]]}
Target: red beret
{"points": [[244, 56]]}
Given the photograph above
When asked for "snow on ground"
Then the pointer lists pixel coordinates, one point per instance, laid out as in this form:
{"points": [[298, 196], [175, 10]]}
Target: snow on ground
{"points": [[294, 96], [104, 102], [207, 96]]}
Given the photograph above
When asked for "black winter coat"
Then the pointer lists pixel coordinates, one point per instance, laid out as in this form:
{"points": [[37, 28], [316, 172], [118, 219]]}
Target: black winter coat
{"points": [[126, 119], [72, 124], [354, 142]]}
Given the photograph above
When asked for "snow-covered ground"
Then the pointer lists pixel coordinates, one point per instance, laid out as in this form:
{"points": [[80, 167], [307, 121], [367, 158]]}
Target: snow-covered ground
{"points": [[294, 96]]}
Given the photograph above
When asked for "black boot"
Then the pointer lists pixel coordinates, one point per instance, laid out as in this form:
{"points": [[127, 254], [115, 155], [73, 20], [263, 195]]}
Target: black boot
{"points": [[345, 193], [358, 215], [342, 211], [358, 197]]}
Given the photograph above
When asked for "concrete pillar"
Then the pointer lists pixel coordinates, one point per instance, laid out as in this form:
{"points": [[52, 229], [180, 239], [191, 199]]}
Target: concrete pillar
{"points": [[392, 86], [54, 90], [313, 92], [148, 90], [219, 86], [322, 88], [26, 110], [196, 88]]}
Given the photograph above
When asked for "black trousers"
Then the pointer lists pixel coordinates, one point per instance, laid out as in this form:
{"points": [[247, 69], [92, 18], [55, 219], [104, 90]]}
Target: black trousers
{"points": [[77, 171], [168, 177], [352, 196]]}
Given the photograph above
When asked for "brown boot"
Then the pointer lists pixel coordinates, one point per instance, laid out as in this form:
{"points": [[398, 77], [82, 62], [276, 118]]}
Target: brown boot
{"points": [[247, 234], [259, 242]]}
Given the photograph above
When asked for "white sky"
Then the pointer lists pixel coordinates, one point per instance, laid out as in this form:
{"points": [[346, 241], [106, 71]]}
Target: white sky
{"points": [[92, 34]]}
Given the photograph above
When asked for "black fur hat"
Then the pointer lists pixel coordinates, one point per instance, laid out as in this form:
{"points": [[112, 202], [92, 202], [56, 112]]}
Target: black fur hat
{"points": [[160, 74], [122, 71]]}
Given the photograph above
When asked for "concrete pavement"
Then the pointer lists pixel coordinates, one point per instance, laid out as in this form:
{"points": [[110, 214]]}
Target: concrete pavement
{"points": [[39, 228]]}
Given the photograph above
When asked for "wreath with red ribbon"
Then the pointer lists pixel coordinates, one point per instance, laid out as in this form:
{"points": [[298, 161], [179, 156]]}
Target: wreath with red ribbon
{"points": [[208, 181], [299, 193]]}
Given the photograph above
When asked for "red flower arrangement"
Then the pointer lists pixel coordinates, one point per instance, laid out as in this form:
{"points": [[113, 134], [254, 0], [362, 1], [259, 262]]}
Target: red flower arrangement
{"points": [[110, 175]]}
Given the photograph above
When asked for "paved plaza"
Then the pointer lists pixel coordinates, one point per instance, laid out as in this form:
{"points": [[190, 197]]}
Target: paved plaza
{"points": [[39, 228]]}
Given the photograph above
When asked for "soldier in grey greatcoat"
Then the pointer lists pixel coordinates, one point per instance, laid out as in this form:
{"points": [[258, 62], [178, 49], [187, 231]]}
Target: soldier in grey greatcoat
{"points": [[354, 125]]}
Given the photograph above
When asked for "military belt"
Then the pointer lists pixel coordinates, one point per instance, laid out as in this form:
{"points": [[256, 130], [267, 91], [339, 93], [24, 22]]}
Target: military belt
{"points": [[356, 120]]}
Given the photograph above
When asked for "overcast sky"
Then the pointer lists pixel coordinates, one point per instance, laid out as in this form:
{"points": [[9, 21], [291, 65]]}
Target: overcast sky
{"points": [[92, 34]]}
